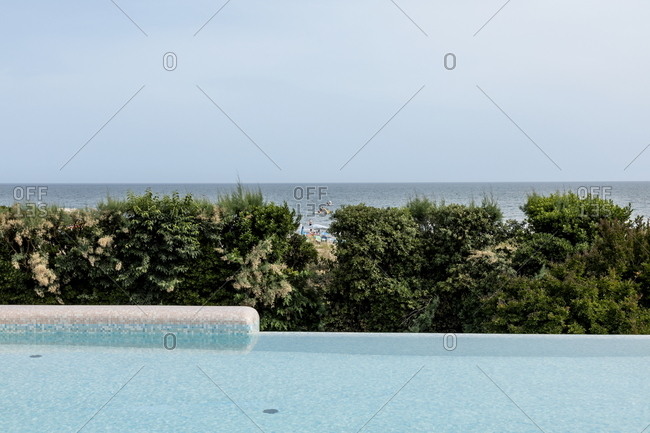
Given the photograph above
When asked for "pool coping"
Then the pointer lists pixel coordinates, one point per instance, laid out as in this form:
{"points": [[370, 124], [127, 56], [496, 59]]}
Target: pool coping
{"points": [[129, 317]]}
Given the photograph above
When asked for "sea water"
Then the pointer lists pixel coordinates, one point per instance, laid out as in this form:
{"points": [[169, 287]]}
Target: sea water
{"points": [[307, 197]]}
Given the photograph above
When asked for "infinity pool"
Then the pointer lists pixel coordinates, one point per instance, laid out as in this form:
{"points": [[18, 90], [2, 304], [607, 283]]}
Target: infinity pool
{"points": [[288, 382]]}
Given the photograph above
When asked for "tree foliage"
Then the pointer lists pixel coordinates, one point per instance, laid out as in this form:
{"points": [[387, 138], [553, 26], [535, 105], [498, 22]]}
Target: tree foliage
{"points": [[373, 287], [574, 265]]}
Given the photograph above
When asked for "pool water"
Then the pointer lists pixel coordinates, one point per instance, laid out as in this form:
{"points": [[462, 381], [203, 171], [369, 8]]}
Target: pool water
{"points": [[285, 382]]}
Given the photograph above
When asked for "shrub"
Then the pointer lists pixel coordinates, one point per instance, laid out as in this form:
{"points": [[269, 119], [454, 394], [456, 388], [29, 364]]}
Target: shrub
{"points": [[562, 301], [570, 217], [256, 259], [30, 237], [374, 285], [448, 235], [536, 251], [155, 240]]}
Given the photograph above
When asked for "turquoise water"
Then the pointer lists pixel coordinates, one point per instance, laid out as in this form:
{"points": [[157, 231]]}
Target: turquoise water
{"points": [[330, 383]]}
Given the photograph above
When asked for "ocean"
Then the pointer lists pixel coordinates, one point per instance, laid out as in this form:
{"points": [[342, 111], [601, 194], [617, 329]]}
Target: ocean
{"points": [[307, 197]]}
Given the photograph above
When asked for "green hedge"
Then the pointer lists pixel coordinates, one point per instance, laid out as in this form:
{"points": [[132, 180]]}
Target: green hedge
{"points": [[574, 265]]}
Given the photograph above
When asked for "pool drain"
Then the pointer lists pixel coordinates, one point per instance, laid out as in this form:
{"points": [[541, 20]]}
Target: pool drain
{"points": [[35, 356], [270, 411]]}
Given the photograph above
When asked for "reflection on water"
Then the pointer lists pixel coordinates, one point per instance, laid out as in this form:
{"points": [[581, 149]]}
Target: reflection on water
{"points": [[167, 339]]}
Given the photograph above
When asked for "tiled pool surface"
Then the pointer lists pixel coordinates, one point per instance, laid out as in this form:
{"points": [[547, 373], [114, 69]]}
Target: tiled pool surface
{"points": [[286, 382], [217, 328]]}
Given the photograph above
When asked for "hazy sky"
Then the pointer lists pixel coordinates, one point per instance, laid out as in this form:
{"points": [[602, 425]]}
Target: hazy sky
{"points": [[311, 81]]}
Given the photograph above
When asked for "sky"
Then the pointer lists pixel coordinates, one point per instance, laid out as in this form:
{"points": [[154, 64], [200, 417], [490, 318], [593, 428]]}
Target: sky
{"points": [[324, 91]]}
